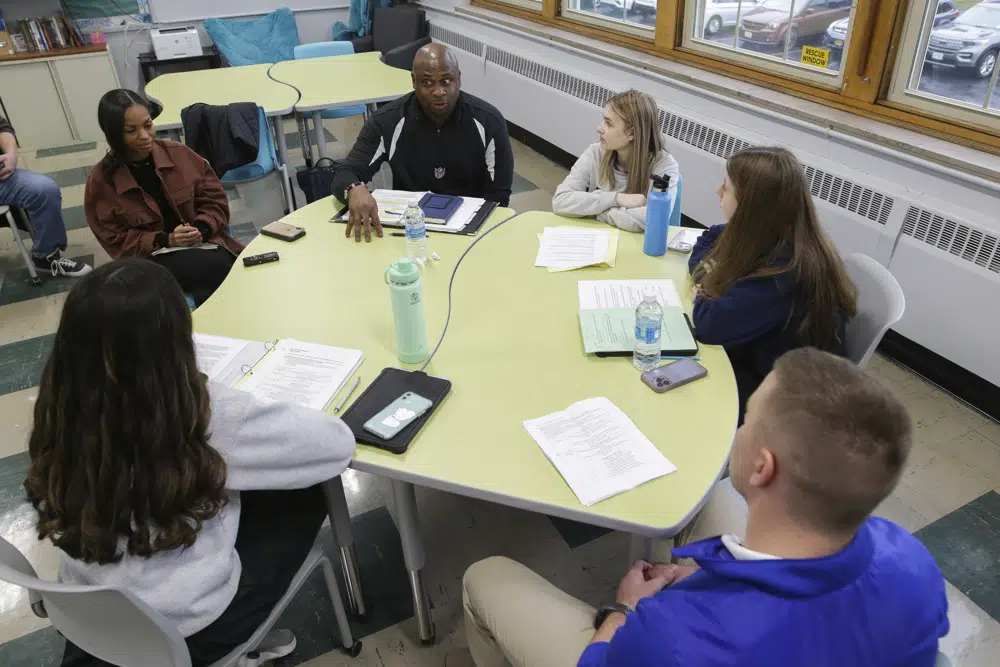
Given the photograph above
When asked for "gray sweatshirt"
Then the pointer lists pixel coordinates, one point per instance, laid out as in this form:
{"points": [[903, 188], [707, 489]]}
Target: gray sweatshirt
{"points": [[580, 195], [265, 446]]}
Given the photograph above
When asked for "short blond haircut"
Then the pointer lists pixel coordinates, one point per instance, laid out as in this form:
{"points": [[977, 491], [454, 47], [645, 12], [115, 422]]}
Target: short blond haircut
{"points": [[841, 438]]}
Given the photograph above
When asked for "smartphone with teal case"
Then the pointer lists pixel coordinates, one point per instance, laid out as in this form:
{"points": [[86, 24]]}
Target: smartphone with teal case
{"points": [[397, 415]]}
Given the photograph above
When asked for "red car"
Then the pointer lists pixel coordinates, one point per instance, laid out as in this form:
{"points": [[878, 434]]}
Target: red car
{"points": [[802, 20]]}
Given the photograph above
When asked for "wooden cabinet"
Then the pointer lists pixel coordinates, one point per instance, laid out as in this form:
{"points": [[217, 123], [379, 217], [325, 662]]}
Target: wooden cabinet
{"points": [[51, 100]]}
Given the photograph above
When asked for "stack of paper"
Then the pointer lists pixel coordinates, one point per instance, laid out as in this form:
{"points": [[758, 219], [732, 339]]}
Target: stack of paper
{"points": [[290, 371], [568, 248], [598, 450], [626, 293], [613, 330], [392, 204]]}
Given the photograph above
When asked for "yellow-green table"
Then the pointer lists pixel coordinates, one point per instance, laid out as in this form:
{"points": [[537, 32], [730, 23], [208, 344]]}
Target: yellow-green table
{"points": [[341, 81], [225, 85], [513, 352]]}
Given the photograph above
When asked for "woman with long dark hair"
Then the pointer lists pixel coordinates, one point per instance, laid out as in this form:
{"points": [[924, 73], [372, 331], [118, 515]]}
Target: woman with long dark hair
{"points": [[158, 199], [198, 498], [769, 280]]}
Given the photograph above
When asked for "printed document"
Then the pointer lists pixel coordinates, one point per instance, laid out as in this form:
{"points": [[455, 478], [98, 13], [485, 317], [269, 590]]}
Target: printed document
{"points": [[573, 247], [598, 450], [302, 373], [227, 360], [626, 293]]}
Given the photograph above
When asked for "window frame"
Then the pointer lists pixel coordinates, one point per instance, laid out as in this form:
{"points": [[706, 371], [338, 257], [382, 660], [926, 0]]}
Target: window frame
{"points": [[868, 63]]}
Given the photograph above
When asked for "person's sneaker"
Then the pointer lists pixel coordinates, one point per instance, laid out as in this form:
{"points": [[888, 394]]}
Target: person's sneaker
{"points": [[61, 266], [277, 644]]}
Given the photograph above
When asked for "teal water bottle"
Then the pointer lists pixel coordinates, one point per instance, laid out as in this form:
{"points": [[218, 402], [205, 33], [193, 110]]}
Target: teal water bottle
{"points": [[403, 278]]}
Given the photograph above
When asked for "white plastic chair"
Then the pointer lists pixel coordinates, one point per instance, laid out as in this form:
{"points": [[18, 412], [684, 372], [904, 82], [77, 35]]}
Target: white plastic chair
{"points": [[880, 305], [116, 626]]}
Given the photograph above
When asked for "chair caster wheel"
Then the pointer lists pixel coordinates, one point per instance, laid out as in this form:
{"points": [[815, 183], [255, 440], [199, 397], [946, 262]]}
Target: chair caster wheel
{"points": [[354, 650], [36, 281], [430, 641], [362, 618]]}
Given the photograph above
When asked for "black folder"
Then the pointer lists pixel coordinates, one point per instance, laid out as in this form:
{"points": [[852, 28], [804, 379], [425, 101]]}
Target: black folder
{"points": [[387, 387]]}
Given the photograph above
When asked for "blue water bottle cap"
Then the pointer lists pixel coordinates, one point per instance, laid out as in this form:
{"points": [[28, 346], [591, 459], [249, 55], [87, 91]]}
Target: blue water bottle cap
{"points": [[403, 272]]}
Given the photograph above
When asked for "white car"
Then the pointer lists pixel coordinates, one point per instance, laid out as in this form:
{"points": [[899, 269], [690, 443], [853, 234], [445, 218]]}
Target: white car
{"points": [[647, 7], [721, 14]]}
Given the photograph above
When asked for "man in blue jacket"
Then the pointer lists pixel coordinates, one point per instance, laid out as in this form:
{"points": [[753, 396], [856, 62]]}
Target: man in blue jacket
{"points": [[816, 582]]}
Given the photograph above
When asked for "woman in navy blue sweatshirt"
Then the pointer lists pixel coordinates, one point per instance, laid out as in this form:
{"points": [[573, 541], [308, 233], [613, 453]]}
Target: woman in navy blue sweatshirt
{"points": [[769, 280]]}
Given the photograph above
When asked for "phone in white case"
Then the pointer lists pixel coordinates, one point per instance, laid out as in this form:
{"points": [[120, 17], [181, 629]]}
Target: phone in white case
{"points": [[397, 415]]}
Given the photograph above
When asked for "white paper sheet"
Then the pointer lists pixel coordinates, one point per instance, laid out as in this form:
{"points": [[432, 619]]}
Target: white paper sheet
{"points": [[597, 449], [226, 360], [302, 373], [625, 293], [573, 247]]}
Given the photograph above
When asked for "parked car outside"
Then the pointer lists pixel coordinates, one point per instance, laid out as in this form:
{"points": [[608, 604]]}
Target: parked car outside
{"points": [[647, 7], [836, 34], [969, 43], [767, 24], [721, 14]]}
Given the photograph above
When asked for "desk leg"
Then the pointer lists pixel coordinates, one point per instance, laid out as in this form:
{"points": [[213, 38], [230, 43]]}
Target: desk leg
{"points": [[641, 549], [320, 135], [278, 127], [340, 521], [413, 554]]}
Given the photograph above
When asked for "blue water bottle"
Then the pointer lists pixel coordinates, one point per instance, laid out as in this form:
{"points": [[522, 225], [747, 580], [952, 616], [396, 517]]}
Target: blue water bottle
{"points": [[658, 208]]}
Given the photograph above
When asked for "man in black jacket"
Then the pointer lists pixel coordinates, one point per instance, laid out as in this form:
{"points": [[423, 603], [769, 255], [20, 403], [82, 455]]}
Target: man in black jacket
{"points": [[436, 138]]}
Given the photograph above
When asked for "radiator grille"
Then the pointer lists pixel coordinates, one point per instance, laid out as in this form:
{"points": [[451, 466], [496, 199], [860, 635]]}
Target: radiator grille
{"points": [[956, 238], [835, 190]]}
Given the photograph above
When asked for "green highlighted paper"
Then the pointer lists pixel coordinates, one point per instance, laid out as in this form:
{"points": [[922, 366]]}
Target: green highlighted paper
{"points": [[613, 330]]}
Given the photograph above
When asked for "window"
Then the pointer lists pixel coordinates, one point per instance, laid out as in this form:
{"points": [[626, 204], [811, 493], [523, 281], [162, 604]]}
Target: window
{"points": [[634, 16], [805, 38], [950, 67], [926, 64]]}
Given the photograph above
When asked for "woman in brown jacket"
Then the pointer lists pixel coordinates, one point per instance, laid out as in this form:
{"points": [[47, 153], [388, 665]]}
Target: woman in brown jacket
{"points": [[158, 199]]}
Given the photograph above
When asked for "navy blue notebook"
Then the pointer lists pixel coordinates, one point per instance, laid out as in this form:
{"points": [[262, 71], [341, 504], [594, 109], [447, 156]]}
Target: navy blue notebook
{"points": [[438, 209]]}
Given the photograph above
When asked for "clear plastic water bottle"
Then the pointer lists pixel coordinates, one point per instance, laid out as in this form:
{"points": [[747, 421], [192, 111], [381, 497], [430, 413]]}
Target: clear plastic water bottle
{"points": [[648, 322], [416, 233]]}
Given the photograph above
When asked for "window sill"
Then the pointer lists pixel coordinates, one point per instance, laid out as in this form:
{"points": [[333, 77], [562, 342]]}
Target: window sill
{"points": [[862, 127]]}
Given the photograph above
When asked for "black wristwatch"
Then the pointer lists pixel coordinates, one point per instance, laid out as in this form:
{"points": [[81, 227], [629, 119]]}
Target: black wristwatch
{"points": [[607, 610]]}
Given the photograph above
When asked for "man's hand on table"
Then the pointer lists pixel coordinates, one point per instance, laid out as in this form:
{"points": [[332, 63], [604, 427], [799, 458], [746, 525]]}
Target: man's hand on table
{"points": [[362, 214]]}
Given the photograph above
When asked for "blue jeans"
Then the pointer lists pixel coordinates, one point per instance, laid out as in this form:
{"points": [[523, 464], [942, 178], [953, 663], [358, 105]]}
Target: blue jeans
{"points": [[40, 197]]}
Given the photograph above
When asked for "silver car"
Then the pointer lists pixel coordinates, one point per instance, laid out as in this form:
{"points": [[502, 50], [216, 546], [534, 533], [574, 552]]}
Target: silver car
{"points": [[721, 14], [971, 42]]}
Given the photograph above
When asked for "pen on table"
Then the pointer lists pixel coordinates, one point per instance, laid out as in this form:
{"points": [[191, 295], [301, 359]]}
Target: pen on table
{"points": [[350, 391]]}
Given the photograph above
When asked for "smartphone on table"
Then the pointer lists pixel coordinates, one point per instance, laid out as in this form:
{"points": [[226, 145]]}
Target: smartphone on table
{"points": [[675, 374], [397, 415]]}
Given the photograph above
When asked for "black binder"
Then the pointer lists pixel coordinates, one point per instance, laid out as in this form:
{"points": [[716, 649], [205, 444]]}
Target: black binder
{"points": [[470, 229], [387, 387]]}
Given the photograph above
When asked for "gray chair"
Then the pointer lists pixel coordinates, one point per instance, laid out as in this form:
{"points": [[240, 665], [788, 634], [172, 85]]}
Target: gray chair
{"points": [[398, 33], [880, 305], [942, 661], [17, 220], [114, 625]]}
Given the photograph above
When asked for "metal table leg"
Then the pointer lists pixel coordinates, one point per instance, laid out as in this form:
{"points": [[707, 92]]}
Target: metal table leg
{"points": [[340, 520], [278, 127], [641, 549], [413, 554], [320, 134]]}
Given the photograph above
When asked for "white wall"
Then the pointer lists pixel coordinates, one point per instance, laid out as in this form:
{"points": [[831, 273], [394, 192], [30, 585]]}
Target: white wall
{"points": [[314, 26]]}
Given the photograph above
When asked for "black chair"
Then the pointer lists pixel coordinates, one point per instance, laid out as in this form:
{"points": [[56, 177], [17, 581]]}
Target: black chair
{"points": [[398, 33]]}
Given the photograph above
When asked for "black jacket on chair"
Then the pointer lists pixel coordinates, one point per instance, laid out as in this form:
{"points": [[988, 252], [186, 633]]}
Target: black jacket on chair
{"points": [[227, 136]]}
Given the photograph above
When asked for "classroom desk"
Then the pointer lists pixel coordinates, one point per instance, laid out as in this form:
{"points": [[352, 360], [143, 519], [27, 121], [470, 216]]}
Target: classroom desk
{"points": [[222, 86], [513, 352], [341, 81]]}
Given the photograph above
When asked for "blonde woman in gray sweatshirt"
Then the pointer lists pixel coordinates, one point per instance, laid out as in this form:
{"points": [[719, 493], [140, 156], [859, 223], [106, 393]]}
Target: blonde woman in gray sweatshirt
{"points": [[199, 499], [612, 178]]}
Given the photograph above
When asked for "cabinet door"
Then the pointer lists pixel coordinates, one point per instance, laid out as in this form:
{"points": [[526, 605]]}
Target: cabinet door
{"points": [[84, 81], [33, 105]]}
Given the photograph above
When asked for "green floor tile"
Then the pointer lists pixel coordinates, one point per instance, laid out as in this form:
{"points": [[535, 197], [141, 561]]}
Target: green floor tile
{"points": [[244, 233], [16, 284], [75, 217], [63, 150], [966, 545], [21, 364], [521, 184], [67, 178]]}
